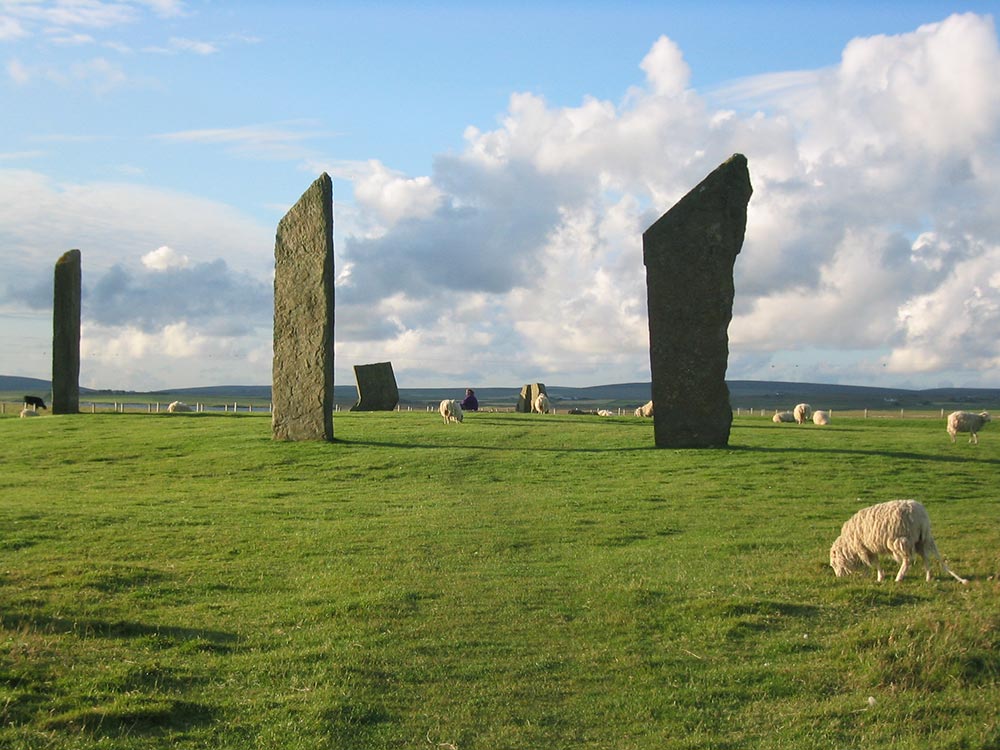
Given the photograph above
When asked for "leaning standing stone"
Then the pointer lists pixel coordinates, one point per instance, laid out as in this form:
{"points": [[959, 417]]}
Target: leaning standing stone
{"points": [[302, 371], [689, 254], [66, 334]]}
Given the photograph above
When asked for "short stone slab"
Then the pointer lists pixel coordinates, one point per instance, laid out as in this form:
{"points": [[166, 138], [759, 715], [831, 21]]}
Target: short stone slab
{"points": [[528, 395], [377, 390]]}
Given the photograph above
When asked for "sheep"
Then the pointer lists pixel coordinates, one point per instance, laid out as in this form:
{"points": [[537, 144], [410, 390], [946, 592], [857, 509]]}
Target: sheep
{"points": [[897, 527], [178, 406], [541, 404], [34, 402], [803, 413], [605, 413], [964, 421], [782, 416], [646, 410], [27, 411], [451, 411], [821, 417]]}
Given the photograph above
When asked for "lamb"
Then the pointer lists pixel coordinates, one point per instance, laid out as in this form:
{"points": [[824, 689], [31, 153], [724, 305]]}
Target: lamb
{"points": [[782, 416], [898, 527], [178, 406], [646, 410], [34, 402], [821, 417], [451, 411], [803, 413], [964, 421], [541, 404], [28, 411]]}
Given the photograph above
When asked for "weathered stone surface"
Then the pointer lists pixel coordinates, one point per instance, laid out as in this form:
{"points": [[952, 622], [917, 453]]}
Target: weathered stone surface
{"points": [[528, 395], [689, 254], [377, 390], [66, 334], [302, 370]]}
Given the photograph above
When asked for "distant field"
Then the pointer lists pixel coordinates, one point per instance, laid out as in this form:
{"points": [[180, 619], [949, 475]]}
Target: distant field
{"points": [[516, 581]]}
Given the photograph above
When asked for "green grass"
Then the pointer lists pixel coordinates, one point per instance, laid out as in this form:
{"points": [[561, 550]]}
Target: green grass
{"points": [[515, 581]]}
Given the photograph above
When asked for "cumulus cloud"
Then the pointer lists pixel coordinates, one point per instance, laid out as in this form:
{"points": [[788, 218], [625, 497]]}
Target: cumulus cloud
{"points": [[861, 172], [871, 243]]}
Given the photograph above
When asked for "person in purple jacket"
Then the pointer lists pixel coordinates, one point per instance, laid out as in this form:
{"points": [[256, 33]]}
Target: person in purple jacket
{"points": [[470, 402]]}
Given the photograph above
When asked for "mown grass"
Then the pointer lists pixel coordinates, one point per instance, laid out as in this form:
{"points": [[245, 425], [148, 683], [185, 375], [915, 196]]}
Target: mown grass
{"points": [[515, 581]]}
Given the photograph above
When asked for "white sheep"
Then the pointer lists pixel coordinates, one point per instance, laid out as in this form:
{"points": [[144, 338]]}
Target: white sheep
{"points": [[803, 413], [646, 410], [28, 412], [605, 413], [965, 421], [782, 416], [898, 527], [821, 417], [178, 406], [451, 411], [541, 404]]}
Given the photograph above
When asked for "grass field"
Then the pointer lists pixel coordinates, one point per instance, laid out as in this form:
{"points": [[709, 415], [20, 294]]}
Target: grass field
{"points": [[516, 581]]}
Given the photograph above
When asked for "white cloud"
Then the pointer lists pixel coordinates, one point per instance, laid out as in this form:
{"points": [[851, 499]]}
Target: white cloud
{"points": [[394, 197], [871, 244], [543, 215], [11, 28], [18, 72], [281, 140], [165, 258]]}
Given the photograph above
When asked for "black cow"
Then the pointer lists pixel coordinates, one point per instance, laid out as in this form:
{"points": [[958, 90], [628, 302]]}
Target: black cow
{"points": [[34, 402]]}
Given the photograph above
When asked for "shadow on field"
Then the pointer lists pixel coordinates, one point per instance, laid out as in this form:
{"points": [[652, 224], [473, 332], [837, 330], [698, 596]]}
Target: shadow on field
{"points": [[902, 455], [214, 641]]}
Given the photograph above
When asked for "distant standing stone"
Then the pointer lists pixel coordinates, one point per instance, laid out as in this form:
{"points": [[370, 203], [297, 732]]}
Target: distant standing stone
{"points": [[689, 254], [302, 371], [66, 334], [529, 393], [377, 389]]}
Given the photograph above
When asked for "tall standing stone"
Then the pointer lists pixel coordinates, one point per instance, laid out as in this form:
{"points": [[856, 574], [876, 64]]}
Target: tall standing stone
{"points": [[302, 370], [66, 334], [377, 389], [689, 254]]}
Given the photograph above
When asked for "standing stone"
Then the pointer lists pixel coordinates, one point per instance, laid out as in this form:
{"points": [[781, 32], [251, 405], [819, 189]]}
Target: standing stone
{"points": [[302, 371], [528, 395], [66, 335], [377, 389], [689, 254]]}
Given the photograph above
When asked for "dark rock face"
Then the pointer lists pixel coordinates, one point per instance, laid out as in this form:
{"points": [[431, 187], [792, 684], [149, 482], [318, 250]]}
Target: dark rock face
{"points": [[528, 395], [377, 390], [302, 370], [66, 334], [689, 254]]}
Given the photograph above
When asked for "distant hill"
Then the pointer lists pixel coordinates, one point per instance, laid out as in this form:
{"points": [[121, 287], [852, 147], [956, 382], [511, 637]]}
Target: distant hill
{"points": [[746, 394]]}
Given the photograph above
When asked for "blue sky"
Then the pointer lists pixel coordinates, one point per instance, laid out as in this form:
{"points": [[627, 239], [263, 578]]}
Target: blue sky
{"points": [[494, 168]]}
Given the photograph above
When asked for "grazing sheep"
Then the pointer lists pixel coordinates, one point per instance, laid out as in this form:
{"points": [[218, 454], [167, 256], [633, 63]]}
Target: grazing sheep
{"points": [[965, 421], [34, 402], [782, 416], [451, 411], [803, 413], [605, 413], [541, 404], [28, 412], [821, 417], [898, 527], [178, 406], [646, 410]]}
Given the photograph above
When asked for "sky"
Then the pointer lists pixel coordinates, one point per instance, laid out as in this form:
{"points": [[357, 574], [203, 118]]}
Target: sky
{"points": [[494, 167]]}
